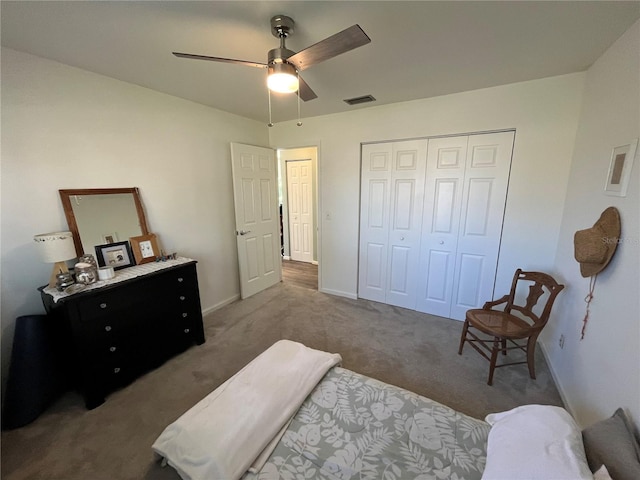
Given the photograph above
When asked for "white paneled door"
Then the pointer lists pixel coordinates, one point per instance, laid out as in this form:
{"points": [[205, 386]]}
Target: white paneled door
{"points": [[430, 241], [390, 222], [440, 224], [300, 201], [257, 218], [484, 198], [467, 180]]}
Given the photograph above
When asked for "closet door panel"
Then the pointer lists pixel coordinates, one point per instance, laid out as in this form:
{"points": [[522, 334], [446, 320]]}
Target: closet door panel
{"points": [[483, 203], [446, 159], [374, 221], [406, 203], [470, 286], [400, 267]]}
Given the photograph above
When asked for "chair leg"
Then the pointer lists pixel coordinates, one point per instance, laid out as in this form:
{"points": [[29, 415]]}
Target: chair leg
{"points": [[463, 337], [494, 356], [531, 356], [504, 346]]}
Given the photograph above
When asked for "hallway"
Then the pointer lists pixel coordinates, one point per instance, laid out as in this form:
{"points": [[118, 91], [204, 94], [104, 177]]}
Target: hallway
{"points": [[301, 274]]}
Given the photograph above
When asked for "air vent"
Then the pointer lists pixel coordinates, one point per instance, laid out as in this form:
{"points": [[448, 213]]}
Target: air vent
{"points": [[359, 100]]}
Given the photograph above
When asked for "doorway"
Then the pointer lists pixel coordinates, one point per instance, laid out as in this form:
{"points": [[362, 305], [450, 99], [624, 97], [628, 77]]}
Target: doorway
{"points": [[298, 204]]}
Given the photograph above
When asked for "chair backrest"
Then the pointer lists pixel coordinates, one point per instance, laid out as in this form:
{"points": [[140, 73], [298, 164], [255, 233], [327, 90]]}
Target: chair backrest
{"points": [[541, 285]]}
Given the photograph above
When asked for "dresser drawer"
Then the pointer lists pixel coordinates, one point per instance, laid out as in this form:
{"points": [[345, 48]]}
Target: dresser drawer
{"points": [[104, 304]]}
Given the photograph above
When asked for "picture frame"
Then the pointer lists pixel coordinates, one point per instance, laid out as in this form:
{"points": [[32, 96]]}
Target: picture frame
{"points": [[620, 166], [145, 248], [117, 255], [111, 237]]}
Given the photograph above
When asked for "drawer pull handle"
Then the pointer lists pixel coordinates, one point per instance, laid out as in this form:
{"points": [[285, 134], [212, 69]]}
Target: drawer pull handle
{"points": [[182, 297], [180, 279], [112, 349], [108, 328], [185, 315], [116, 370], [186, 330], [103, 305]]}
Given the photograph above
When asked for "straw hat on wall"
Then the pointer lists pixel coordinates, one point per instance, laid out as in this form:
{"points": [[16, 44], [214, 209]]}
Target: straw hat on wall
{"points": [[595, 246]]}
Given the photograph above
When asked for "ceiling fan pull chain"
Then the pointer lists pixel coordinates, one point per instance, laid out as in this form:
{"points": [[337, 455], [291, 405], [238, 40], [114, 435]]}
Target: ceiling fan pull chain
{"points": [[270, 124], [298, 95]]}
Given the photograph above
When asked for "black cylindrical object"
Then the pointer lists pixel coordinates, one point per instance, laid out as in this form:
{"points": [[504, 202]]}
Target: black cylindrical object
{"points": [[36, 374]]}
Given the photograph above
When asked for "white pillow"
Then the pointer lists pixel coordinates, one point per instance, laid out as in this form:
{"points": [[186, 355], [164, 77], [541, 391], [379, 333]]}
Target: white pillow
{"points": [[602, 474], [535, 442]]}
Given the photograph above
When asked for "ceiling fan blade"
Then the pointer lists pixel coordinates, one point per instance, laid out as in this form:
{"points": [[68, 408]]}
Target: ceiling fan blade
{"points": [[341, 42], [304, 90], [220, 59]]}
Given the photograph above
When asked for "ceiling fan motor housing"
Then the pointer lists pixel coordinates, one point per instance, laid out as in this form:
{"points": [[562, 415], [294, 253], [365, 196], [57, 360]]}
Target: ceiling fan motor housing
{"points": [[279, 55]]}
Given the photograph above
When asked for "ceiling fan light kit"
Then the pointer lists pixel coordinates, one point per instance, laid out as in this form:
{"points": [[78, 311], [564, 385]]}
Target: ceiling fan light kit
{"points": [[283, 78], [283, 65]]}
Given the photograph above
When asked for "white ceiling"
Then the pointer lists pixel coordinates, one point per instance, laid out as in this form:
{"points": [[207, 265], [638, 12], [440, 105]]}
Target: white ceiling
{"points": [[419, 49]]}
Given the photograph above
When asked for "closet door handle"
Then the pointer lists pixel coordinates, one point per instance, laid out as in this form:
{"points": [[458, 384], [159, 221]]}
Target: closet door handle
{"points": [[243, 232]]}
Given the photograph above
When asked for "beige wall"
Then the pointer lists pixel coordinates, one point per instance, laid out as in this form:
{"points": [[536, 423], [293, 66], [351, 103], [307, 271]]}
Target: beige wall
{"points": [[67, 128], [602, 372]]}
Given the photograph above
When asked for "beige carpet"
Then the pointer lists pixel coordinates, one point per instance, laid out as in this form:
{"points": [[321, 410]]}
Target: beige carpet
{"points": [[402, 347]]}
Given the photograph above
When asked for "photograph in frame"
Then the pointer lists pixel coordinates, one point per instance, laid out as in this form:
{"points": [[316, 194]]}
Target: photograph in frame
{"points": [[620, 166], [145, 248], [117, 255]]}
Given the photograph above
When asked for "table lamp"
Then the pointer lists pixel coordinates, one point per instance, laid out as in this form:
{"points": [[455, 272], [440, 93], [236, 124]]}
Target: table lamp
{"points": [[56, 247]]}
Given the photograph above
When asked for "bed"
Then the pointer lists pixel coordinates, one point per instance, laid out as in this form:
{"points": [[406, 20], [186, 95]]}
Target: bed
{"points": [[295, 413]]}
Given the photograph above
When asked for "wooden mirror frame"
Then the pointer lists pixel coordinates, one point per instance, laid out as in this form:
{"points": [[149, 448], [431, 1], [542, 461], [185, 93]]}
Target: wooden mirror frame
{"points": [[65, 196]]}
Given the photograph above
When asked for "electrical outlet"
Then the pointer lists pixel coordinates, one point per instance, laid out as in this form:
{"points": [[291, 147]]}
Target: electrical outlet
{"points": [[561, 341]]}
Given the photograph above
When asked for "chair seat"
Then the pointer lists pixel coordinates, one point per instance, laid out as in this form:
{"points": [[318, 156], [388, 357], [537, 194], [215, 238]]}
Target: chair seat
{"points": [[497, 323]]}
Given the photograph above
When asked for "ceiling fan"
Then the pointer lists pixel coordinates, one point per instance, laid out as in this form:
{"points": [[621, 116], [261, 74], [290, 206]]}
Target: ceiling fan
{"points": [[284, 65]]}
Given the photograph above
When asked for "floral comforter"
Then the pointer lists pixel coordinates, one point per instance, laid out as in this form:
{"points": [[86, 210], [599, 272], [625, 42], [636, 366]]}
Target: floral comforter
{"points": [[355, 427]]}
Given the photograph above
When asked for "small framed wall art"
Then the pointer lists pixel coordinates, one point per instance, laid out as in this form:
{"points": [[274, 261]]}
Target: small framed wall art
{"points": [[145, 248], [116, 255], [111, 237], [620, 167]]}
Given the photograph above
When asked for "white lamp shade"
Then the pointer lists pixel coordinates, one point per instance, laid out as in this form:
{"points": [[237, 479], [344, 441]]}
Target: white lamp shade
{"points": [[282, 78], [55, 246]]}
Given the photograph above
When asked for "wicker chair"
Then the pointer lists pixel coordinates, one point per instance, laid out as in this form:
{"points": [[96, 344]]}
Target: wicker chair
{"points": [[515, 325]]}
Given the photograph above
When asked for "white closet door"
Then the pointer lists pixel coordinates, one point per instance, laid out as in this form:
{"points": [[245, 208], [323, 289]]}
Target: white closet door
{"points": [[446, 159], [405, 221], [483, 203], [431, 243], [392, 192], [374, 221]]}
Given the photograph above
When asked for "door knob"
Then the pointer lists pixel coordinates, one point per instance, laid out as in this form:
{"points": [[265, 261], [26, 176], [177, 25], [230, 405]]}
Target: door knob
{"points": [[401, 238], [243, 232], [441, 242]]}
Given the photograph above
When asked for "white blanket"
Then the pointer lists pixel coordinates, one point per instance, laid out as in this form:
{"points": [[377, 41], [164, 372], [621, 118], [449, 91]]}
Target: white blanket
{"points": [[221, 436]]}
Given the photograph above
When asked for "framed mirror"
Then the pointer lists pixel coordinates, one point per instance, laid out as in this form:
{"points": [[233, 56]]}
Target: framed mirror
{"points": [[103, 215]]}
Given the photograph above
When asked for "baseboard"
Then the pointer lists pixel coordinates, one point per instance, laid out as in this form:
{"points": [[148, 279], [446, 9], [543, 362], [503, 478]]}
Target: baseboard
{"points": [[286, 257], [314, 262], [339, 293], [556, 380], [221, 304]]}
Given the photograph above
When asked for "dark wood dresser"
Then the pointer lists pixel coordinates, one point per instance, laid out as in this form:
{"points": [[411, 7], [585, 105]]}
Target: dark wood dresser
{"points": [[119, 331]]}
